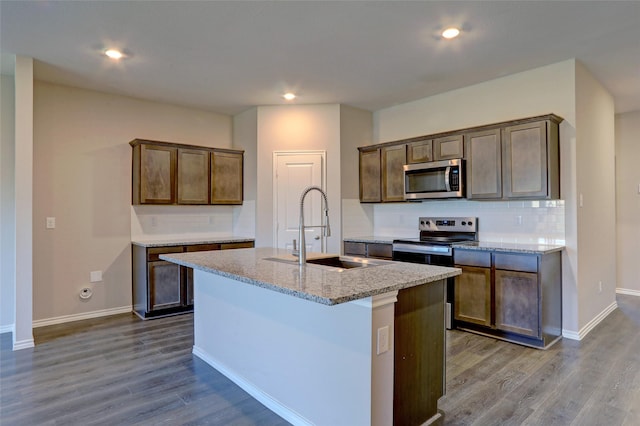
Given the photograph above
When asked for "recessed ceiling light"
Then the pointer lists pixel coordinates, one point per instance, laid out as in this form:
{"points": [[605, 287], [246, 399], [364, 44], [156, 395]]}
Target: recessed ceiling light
{"points": [[451, 32], [289, 96], [113, 53]]}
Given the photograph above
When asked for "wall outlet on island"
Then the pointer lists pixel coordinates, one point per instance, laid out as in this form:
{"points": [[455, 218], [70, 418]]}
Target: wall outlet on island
{"points": [[383, 340]]}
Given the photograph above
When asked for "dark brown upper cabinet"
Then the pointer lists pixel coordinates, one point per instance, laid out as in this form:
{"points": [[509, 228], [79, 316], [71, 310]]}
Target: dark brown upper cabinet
{"points": [[154, 174], [484, 164], [193, 176], [169, 173], [370, 176], [448, 147], [420, 151], [226, 177], [518, 160], [393, 158]]}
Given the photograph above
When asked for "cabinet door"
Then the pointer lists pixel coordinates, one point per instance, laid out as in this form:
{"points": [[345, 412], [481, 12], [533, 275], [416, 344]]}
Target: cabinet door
{"points": [[524, 160], [370, 176], [517, 307], [393, 160], [472, 295], [420, 152], [484, 165], [193, 176], [226, 177], [448, 148], [165, 285], [355, 249], [157, 174]]}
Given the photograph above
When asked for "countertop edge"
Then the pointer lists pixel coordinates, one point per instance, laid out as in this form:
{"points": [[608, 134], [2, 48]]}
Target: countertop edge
{"points": [[511, 247], [370, 239], [308, 296], [188, 241]]}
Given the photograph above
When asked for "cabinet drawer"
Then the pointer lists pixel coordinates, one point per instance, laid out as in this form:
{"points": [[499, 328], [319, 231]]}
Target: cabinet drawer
{"points": [[225, 246], [384, 251], [153, 253], [472, 258], [202, 247], [516, 262], [355, 249]]}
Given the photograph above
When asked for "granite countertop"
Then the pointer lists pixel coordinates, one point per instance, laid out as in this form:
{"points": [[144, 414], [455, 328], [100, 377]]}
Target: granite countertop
{"points": [[525, 248], [183, 241], [370, 239], [320, 284]]}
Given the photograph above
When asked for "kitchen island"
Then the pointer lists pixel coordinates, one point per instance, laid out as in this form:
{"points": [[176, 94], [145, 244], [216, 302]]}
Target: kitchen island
{"points": [[319, 344]]}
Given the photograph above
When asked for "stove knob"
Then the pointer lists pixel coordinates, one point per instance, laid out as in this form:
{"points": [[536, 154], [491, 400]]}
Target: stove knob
{"points": [[469, 223], [427, 223], [422, 222], [464, 223]]}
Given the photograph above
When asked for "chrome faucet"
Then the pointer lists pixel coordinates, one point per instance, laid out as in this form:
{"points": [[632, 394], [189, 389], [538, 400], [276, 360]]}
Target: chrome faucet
{"points": [[302, 250]]}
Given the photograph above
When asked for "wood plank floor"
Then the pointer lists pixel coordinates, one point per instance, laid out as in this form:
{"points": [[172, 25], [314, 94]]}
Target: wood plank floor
{"points": [[120, 370]]}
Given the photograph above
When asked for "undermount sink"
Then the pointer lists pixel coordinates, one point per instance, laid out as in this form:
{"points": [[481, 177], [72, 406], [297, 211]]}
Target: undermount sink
{"points": [[338, 262]]}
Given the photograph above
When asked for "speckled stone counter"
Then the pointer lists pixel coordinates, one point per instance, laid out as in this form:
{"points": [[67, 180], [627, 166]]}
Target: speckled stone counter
{"points": [[370, 239], [510, 247], [183, 241], [321, 284]]}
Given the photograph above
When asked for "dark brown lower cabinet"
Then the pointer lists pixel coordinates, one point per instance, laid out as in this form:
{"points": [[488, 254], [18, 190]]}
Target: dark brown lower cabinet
{"points": [[373, 250], [419, 359], [511, 296], [163, 288]]}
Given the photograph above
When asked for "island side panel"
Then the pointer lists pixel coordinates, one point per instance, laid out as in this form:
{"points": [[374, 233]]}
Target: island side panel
{"points": [[310, 363], [420, 353]]}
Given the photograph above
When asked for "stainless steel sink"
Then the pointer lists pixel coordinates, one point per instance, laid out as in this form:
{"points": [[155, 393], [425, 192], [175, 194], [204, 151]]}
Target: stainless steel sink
{"points": [[336, 262]]}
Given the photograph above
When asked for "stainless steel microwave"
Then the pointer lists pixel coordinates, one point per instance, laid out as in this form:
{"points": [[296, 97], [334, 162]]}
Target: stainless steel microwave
{"points": [[436, 179]]}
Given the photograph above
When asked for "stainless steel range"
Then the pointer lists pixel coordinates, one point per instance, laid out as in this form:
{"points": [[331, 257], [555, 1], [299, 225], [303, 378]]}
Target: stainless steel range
{"points": [[433, 247]]}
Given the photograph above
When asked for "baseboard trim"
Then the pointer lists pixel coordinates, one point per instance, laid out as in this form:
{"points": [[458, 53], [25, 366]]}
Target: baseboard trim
{"points": [[628, 291], [6, 328], [266, 399], [591, 324], [78, 317], [23, 344]]}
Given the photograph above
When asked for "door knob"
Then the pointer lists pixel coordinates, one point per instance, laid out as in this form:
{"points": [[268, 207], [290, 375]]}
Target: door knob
{"points": [[317, 237]]}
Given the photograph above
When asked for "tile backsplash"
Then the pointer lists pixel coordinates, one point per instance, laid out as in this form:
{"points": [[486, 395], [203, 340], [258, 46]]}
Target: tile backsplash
{"points": [[540, 222]]}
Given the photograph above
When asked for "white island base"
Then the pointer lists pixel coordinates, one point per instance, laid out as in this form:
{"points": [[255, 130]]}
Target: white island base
{"points": [[310, 363]]}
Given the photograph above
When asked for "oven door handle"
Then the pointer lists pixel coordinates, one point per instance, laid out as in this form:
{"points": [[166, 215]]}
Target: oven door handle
{"points": [[411, 248], [447, 172]]}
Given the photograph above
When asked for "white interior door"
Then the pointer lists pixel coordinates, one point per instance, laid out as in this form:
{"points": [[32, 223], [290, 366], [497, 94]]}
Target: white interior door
{"points": [[293, 172]]}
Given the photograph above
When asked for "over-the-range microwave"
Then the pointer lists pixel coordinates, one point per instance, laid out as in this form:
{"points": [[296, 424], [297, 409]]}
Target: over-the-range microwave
{"points": [[435, 179]]}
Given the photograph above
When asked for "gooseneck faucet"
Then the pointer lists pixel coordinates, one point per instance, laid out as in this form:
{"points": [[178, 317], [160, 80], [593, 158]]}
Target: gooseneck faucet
{"points": [[302, 251]]}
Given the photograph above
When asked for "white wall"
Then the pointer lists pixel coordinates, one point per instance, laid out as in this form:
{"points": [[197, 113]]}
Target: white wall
{"points": [[628, 202], [82, 177], [24, 182], [356, 129], [595, 184], [557, 88], [292, 128], [245, 136], [7, 204]]}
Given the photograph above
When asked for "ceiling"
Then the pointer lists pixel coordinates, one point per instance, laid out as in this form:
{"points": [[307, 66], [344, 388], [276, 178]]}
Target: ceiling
{"points": [[227, 56]]}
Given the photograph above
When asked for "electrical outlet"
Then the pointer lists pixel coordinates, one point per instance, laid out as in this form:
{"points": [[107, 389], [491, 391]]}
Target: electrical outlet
{"points": [[51, 222], [154, 221], [518, 220], [383, 339], [95, 276]]}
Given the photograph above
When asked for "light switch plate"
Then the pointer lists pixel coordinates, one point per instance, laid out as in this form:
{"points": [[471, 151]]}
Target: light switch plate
{"points": [[51, 222], [95, 276]]}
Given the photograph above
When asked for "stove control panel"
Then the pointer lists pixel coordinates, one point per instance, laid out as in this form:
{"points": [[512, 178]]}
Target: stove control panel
{"points": [[448, 224]]}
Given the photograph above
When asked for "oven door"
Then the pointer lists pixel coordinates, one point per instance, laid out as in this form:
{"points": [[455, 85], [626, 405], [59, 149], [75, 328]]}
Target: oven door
{"points": [[437, 179]]}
